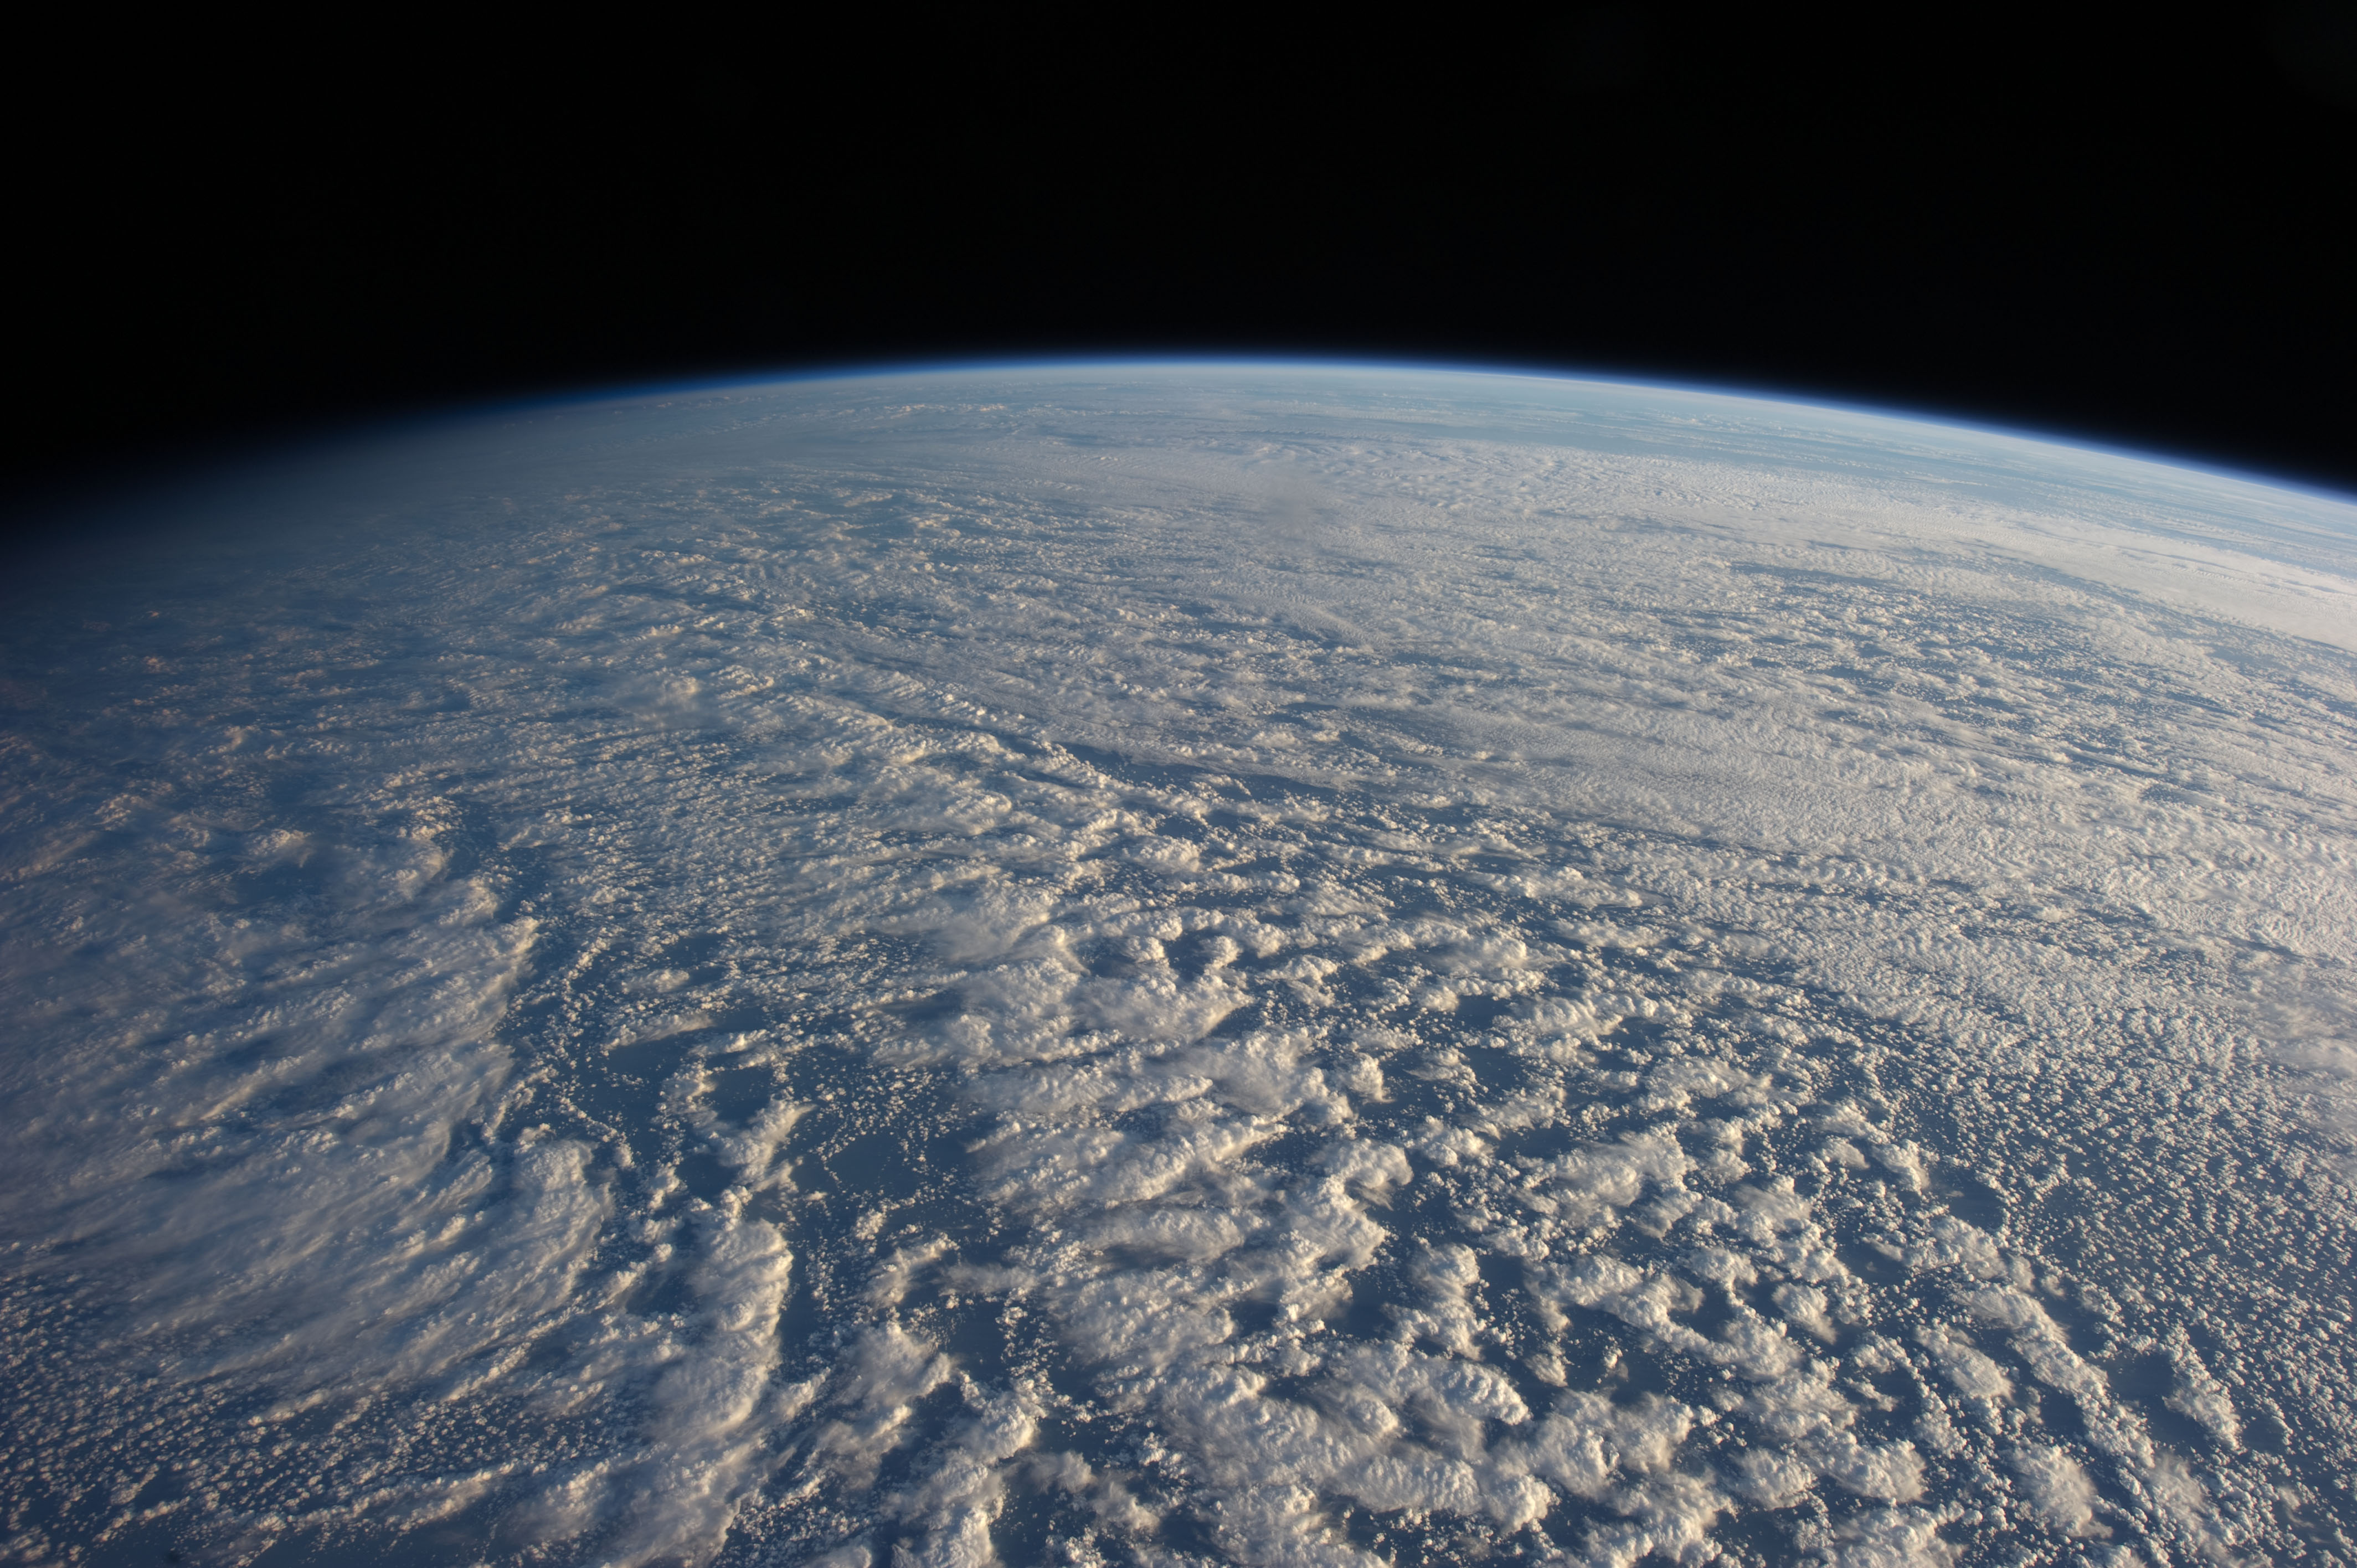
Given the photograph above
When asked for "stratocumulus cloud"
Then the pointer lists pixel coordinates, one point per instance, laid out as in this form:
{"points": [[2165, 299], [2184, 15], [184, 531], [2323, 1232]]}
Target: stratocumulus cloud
{"points": [[1191, 965]]}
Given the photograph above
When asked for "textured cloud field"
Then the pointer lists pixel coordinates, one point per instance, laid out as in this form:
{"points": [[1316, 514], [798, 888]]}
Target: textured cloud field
{"points": [[1182, 966]]}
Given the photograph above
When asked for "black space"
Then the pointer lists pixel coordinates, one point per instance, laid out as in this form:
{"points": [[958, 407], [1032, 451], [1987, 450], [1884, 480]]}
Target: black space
{"points": [[2131, 232]]}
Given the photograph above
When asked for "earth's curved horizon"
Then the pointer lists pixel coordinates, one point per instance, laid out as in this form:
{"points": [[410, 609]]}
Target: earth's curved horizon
{"points": [[1186, 963]]}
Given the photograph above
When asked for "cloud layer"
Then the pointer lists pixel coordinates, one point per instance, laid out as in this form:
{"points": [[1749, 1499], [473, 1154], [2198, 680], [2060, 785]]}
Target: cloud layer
{"points": [[1183, 966]]}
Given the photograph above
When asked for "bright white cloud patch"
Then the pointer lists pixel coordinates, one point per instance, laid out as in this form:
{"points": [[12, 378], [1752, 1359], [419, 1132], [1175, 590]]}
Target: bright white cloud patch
{"points": [[1189, 966]]}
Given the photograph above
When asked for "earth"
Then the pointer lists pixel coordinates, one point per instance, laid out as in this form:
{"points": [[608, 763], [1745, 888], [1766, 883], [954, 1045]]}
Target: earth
{"points": [[1184, 964]]}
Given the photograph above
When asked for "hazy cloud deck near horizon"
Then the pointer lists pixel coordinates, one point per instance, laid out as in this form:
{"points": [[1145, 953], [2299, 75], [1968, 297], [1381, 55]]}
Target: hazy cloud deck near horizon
{"points": [[1184, 965]]}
